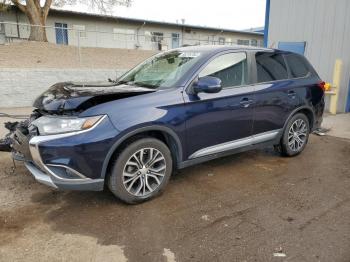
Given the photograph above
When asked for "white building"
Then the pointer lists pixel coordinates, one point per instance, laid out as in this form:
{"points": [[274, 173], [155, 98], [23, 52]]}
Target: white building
{"points": [[93, 30], [319, 29]]}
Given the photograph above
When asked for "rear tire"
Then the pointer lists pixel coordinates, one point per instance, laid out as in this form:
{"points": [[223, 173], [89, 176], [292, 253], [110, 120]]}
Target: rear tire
{"points": [[141, 171], [295, 135]]}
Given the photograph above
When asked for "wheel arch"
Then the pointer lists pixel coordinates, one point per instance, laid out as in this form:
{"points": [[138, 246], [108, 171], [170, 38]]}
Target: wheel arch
{"points": [[165, 134], [306, 110]]}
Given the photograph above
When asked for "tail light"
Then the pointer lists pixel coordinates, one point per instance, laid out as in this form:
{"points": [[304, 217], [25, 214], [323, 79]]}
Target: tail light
{"points": [[322, 85]]}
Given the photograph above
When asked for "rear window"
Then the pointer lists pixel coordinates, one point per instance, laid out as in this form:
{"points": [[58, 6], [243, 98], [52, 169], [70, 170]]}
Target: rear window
{"points": [[297, 65], [270, 67]]}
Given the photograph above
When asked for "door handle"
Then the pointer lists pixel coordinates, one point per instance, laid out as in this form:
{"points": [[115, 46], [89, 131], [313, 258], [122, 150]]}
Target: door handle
{"points": [[245, 102], [291, 94]]}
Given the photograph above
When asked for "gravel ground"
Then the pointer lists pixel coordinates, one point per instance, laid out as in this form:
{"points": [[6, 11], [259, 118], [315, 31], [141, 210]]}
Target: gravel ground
{"points": [[244, 207]]}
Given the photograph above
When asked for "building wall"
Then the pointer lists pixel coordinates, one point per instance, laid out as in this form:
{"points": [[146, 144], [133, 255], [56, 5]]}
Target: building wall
{"points": [[325, 27], [116, 33]]}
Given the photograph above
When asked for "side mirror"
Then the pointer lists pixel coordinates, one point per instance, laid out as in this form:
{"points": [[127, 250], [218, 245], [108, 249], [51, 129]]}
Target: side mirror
{"points": [[207, 84]]}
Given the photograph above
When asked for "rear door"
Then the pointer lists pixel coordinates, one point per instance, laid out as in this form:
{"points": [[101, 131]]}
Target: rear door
{"points": [[276, 94], [217, 121]]}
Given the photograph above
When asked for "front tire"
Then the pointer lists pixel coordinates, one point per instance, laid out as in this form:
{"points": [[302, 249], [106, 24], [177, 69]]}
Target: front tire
{"points": [[141, 171], [295, 135]]}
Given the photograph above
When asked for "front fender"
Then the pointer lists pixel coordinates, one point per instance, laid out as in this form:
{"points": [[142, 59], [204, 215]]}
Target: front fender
{"points": [[138, 130]]}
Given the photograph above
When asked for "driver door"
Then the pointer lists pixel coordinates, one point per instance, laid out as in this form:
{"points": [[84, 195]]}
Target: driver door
{"points": [[215, 122]]}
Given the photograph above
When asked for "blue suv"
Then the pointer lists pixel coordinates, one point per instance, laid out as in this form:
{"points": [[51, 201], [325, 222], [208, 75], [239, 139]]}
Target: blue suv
{"points": [[176, 109]]}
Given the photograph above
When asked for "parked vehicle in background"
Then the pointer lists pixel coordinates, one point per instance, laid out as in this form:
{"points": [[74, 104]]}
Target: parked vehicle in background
{"points": [[178, 108]]}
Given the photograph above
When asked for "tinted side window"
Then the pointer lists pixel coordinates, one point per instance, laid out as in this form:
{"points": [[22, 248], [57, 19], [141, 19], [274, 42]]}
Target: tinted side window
{"points": [[270, 67], [297, 65], [230, 68]]}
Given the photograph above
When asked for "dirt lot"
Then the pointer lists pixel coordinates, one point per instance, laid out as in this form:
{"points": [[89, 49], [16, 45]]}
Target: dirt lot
{"points": [[47, 55], [239, 208]]}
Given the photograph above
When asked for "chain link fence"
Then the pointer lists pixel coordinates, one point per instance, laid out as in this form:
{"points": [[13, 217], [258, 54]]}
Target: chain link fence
{"points": [[79, 36], [78, 53]]}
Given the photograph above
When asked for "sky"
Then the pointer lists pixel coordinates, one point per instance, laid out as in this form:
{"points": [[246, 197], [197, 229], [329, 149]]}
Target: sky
{"points": [[227, 14]]}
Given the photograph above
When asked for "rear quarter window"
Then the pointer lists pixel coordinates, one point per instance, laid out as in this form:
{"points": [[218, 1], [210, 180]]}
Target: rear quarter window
{"points": [[297, 66], [270, 67]]}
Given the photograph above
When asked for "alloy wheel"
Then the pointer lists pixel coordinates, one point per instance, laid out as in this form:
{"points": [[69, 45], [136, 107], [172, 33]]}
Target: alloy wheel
{"points": [[144, 171], [297, 135]]}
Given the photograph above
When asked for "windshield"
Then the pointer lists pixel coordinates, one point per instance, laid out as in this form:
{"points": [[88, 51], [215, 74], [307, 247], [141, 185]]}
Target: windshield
{"points": [[161, 71]]}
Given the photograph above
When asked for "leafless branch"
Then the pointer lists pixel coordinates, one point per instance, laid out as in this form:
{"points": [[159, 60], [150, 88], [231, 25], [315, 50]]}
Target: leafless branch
{"points": [[19, 5], [101, 5], [46, 7], [3, 5], [37, 4]]}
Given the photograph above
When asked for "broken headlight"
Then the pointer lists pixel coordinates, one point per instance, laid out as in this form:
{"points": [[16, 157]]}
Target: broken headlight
{"points": [[49, 125]]}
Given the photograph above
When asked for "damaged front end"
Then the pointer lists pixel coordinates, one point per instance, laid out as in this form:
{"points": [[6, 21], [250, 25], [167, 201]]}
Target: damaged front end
{"points": [[59, 146], [17, 140], [6, 143], [61, 160], [65, 99]]}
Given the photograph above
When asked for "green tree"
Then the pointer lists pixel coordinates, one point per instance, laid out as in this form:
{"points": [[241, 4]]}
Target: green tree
{"points": [[37, 11]]}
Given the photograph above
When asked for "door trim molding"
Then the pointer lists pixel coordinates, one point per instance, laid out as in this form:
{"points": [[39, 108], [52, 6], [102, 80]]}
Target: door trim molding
{"points": [[247, 141]]}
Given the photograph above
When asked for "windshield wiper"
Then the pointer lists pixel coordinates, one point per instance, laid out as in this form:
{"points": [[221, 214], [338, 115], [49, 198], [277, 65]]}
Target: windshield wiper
{"points": [[141, 84], [112, 81], [138, 84], [122, 82]]}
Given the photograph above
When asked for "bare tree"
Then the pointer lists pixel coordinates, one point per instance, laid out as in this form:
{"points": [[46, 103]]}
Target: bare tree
{"points": [[37, 11]]}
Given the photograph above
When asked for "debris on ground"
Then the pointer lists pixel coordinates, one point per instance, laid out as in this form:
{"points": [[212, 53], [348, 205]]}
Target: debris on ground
{"points": [[205, 217], [321, 131], [290, 219], [5, 144], [169, 255], [279, 253], [290, 184]]}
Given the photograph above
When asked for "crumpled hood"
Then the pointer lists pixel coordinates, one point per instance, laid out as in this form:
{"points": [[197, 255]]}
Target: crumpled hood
{"points": [[75, 96]]}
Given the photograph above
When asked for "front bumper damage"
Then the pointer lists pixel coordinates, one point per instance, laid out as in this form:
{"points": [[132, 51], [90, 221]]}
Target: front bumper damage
{"points": [[39, 176], [58, 175], [26, 145], [13, 139]]}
